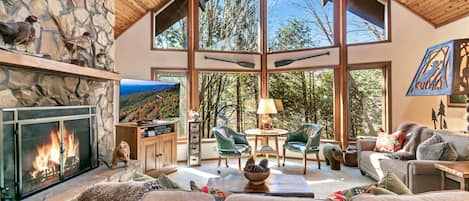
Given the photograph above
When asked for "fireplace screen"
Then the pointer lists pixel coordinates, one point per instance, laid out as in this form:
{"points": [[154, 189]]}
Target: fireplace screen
{"points": [[45, 146]]}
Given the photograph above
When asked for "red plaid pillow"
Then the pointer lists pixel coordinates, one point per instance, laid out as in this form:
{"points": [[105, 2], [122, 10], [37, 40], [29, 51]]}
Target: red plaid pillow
{"points": [[390, 142]]}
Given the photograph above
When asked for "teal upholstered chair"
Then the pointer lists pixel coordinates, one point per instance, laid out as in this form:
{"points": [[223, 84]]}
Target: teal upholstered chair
{"points": [[304, 140], [230, 144]]}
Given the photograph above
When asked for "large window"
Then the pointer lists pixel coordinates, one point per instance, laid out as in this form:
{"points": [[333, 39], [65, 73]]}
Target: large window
{"points": [[228, 99], [367, 97], [366, 21], [181, 78], [229, 25], [300, 24], [170, 26], [307, 97]]}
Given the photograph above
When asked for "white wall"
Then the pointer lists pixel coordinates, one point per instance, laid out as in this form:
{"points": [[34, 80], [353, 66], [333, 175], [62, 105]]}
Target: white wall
{"points": [[411, 36]]}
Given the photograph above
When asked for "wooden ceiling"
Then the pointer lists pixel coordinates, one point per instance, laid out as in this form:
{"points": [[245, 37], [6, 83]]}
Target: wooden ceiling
{"points": [[129, 12], [438, 12]]}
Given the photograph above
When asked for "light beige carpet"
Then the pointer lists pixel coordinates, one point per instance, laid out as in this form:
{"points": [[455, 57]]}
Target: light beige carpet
{"points": [[323, 182]]}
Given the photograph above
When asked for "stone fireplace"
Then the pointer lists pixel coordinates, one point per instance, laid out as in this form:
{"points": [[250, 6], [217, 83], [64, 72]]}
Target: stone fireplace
{"points": [[40, 76]]}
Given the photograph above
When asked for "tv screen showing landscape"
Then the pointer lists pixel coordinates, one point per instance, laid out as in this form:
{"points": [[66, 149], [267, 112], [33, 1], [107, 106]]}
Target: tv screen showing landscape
{"points": [[148, 100]]}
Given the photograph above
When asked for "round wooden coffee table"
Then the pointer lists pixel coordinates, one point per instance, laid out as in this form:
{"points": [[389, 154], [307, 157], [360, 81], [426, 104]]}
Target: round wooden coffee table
{"points": [[266, 149]]}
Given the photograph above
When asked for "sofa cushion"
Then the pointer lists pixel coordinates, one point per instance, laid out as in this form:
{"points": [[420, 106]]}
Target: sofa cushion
{"points": [[247, 197], [370, 162], [460, 143], [390, 142], [398, 167], [391, 182], [176, 196], [431, 196], [381, 191]]}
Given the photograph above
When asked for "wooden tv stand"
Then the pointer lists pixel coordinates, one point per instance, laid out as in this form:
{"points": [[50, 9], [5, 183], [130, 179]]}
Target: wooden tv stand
{"points": [[157, 153]]}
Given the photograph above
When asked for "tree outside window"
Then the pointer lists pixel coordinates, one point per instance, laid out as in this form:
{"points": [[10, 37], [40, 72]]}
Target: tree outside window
{"points": [[307, 97], [229, 99], [229, 25], [366, 97]]}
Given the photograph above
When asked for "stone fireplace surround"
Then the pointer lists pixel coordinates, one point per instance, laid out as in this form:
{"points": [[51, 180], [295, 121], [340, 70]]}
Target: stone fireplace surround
{"points": [[29, 81]]}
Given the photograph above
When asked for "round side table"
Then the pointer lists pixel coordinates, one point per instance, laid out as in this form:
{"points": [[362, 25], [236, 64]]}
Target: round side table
{"points": [[266, 149]]}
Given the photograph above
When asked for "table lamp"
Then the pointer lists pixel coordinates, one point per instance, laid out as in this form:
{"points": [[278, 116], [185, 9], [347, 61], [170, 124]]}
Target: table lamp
{"points": [[444, 70], [266, 107]]}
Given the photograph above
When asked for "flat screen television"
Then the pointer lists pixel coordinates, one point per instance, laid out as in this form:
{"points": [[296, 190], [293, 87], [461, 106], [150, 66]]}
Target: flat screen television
{"points": [[148, 100]]}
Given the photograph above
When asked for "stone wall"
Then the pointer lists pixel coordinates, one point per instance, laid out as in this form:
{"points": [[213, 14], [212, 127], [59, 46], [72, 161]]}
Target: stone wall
{"points": [[75, 17], [21, 87]]}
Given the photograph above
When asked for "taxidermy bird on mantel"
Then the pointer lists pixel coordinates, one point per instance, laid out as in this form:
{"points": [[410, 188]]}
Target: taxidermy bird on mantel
{"points": [[19, 33], [80, 47]]}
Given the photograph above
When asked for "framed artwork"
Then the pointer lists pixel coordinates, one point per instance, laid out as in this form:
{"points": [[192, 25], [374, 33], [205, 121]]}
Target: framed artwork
{"points": [[457, 101]]}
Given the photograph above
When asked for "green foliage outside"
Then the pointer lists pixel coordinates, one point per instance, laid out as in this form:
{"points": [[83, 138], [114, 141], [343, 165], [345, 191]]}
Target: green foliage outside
{"points": [[175, 37], [228, 99], [307, 97], [365, 102]]}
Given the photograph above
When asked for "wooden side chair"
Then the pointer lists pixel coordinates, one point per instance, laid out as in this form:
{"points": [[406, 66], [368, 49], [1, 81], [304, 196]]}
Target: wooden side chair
{"points": [[230, 144], [304, 140]]}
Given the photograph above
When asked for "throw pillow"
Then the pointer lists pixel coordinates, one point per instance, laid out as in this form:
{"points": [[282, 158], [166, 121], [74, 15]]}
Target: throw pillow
{"points": [[392, 183], [347, 194], [390, 142], [167, 183], [434, 148], [381, 191], [449, 154]]}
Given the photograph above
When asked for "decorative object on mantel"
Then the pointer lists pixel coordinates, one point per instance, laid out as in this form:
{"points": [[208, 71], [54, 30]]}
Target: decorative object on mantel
{"points": [[19, 33], [244, 64], [444, 70], [286, 62], [80, 47], [441, 114], [256, 174], [121, 154]]}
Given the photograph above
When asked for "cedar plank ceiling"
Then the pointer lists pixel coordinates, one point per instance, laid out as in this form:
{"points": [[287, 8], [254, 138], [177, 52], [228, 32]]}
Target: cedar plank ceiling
{"points": [[129, 12], [438, 12]]}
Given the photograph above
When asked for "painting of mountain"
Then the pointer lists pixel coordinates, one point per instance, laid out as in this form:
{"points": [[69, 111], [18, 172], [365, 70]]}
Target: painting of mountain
{"points": [[148, 100]]}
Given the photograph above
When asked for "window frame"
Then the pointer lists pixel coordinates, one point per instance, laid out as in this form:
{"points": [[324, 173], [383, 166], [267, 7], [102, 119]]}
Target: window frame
{"points": [[336, 98], [260, 39], [154, 76], [385, 66], [337, 30], [152, 31], [388, 30]]}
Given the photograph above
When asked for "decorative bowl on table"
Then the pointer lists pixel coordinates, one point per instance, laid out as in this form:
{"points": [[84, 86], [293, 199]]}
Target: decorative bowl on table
{"points": [[256, 178]]}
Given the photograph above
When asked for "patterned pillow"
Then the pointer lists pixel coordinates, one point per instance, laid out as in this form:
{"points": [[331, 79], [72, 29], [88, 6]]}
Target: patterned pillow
{"points": [[390, 142], [347, 194]]}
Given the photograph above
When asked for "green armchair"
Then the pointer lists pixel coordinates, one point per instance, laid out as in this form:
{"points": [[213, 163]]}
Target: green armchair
{"points": [[304, 140], [230, 144]]}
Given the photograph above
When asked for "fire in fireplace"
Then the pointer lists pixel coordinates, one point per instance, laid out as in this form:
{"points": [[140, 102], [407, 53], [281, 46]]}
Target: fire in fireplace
{"points": [[45, 146]]}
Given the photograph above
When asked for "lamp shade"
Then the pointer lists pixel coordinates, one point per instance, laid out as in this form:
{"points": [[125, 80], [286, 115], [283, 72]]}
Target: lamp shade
{"points": [[444, 70], [266, 106]]}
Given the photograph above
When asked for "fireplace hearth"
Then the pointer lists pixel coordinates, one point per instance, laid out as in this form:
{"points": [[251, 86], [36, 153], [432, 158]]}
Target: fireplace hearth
{"points": [[44, 146]]}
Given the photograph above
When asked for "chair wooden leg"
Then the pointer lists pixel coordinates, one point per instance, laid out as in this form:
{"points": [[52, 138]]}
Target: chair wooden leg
{"points": [[304, 161], [219, 164], [226, 162], [319, 162], [239, 164], [283, 164]]}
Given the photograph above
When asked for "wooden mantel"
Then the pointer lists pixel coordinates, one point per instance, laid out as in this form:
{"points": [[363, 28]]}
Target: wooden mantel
{"points": [[26, 61]]}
